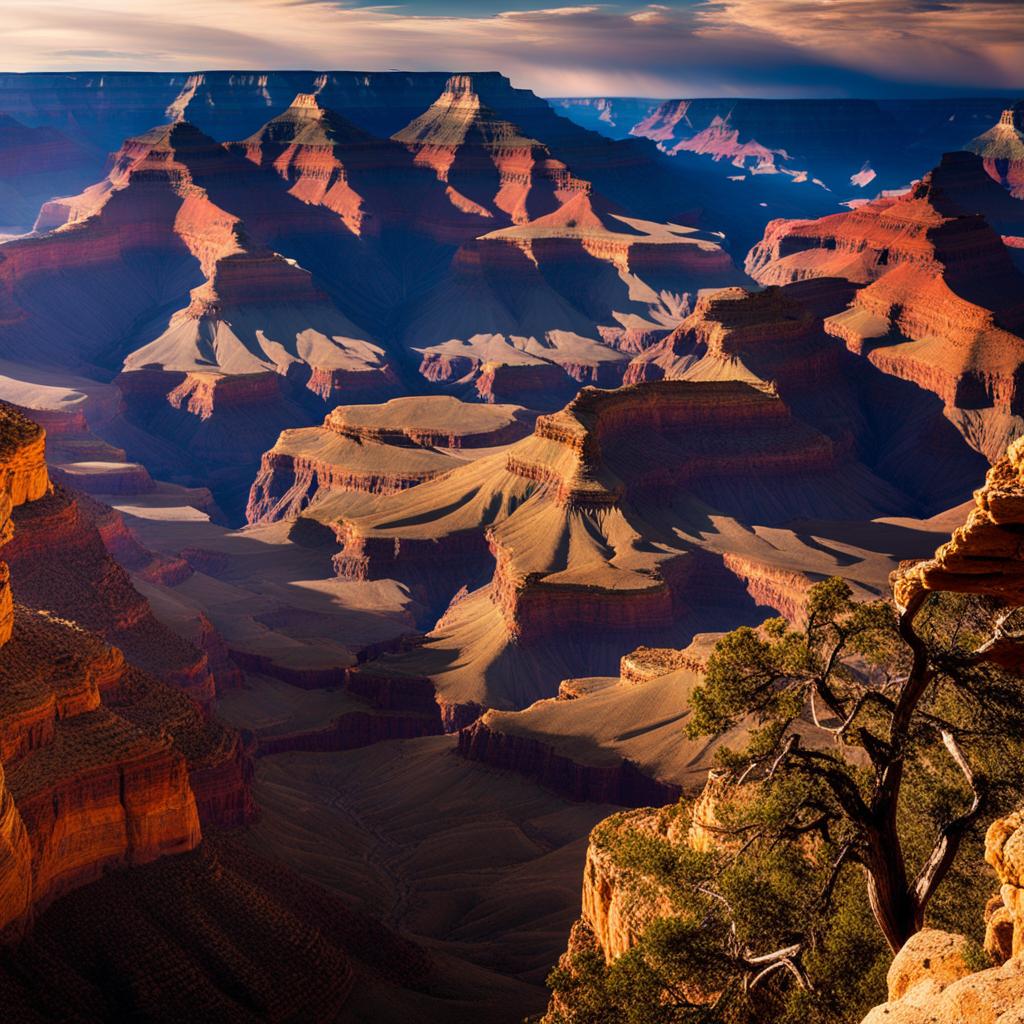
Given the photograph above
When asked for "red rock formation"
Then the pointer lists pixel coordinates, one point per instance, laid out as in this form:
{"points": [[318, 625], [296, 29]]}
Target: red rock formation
{"points": [[1002, 149], [941, 305], [60, 563], [371, 184], [491, 169], [580, 519], [95, 755]]}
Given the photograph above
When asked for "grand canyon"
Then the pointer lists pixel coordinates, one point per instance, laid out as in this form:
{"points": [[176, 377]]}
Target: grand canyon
{"points": [[482, 554]]}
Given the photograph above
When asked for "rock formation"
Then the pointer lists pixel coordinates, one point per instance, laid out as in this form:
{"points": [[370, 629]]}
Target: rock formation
{"points": [[491, 169], [582, 532], [103, 766], [1002, 149], [778, 336], [940, 304], [374, 449]]}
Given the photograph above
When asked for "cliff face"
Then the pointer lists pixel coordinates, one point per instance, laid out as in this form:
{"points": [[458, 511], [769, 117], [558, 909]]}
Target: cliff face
{"points": [[940, 299], [1002, 149], [83, 788]]}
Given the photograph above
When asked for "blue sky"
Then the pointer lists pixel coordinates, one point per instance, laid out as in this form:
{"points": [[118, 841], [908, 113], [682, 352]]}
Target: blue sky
{"points": [[680, 48]]}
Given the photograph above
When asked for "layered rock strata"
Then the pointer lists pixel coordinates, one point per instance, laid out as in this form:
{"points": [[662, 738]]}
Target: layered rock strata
{"points": [[940, 303], [374, 449], [91, 778]]}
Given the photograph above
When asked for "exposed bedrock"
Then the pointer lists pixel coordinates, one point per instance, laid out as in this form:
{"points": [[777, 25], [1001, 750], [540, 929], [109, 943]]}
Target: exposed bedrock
{"points": [[940, 302], [60, 563]]}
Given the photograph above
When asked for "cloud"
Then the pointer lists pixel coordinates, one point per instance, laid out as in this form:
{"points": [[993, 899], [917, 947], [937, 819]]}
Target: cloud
{"points": [[962, 42], [704, 47]]}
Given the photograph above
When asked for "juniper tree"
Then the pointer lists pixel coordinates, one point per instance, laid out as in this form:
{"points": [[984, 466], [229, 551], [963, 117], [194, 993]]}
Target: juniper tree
{"points": [[882, 735]]}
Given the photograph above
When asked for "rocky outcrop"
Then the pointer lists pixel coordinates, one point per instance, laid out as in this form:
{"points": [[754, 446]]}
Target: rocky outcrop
{"points": [[930, 980], [1002, 149], [563, 743], [569, 516], [983, 556], [258, 313], [941, 301]]}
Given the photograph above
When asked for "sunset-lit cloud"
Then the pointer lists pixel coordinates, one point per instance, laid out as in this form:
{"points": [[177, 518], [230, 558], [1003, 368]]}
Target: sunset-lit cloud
{"points": [[766, 47]]}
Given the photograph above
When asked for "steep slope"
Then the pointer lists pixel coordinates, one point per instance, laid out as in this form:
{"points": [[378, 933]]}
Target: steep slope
{"points": [[259, 313], [102, 765], [595, 531], [491, 169], [941, 304], [1002, 149], [779, 336]]}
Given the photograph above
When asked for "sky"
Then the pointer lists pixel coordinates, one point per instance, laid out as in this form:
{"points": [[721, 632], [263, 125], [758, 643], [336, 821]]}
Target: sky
{"points": [[680, 48]]}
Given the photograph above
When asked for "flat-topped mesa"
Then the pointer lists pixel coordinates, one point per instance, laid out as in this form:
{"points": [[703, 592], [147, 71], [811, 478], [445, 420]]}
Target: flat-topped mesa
{"points": [[465, 142], [1002, 149], [375, 449], [983, 556], [592, 451], [436, 421]]}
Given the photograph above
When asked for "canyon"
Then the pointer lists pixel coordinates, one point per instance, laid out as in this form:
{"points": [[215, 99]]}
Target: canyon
{"points": [[382, 456]]}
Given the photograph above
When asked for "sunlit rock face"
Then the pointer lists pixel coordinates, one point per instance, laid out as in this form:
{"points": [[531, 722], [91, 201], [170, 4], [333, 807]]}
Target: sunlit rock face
{"points": [[103, 766], [940, 300], [1002, 149]]}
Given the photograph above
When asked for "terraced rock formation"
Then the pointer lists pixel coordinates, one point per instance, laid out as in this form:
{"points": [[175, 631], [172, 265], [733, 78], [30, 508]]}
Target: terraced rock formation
{"points": [[102, 765], [941, 300], [374, 449], [779, 336], [589, 531]]}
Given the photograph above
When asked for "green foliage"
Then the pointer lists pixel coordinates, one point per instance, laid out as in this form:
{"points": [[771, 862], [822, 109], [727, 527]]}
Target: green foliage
{"points": [[862, 748]]}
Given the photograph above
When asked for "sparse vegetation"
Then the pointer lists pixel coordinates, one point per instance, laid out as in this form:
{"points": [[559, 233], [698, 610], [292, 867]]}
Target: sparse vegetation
{"points": [[879, 744]]}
